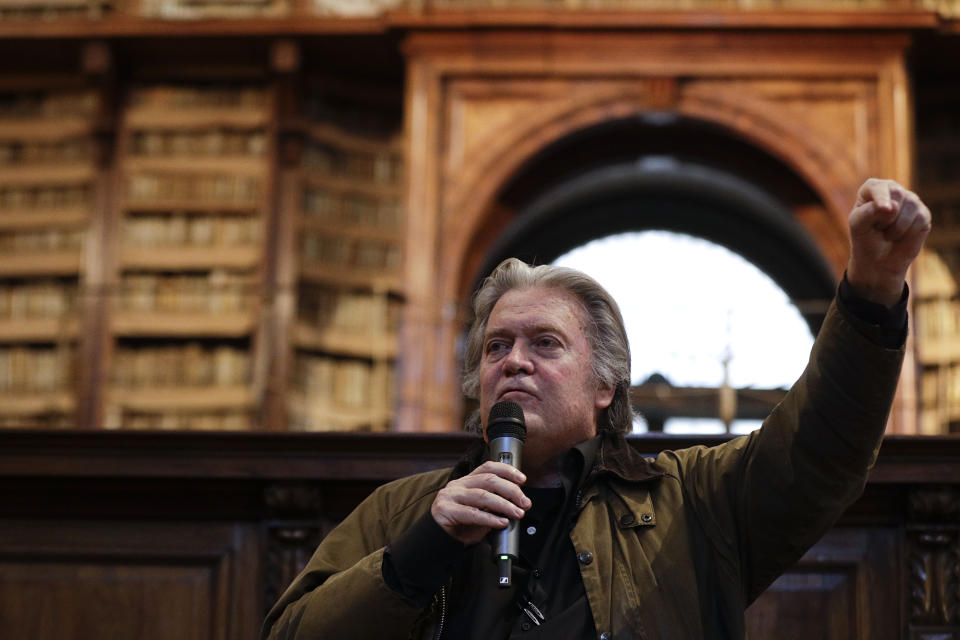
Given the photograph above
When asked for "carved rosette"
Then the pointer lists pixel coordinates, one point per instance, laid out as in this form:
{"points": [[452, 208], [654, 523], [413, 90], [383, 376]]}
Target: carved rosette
{"points": [[934, 563]]}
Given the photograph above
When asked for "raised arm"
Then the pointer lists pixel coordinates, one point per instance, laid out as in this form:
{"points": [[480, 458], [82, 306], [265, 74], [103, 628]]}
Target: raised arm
{"points": [[766, 498]]}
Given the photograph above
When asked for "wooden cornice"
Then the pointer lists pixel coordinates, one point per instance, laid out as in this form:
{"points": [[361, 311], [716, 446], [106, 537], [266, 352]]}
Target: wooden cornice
{"points": [[350, 456], [123, 26], [668, 19]]}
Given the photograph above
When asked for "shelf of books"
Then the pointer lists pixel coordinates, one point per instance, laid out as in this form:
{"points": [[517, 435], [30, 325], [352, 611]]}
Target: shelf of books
{"points": [[936, 289], [47, 175], [349, 299], [937, 318], [187, 317]]}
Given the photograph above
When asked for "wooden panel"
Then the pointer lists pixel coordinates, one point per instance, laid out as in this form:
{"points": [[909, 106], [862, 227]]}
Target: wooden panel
{"points": [[845, 587], [804, 605], [68, 580], [83, 600]]}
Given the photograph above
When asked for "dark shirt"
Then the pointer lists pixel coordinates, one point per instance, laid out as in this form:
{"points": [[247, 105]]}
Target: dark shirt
{"points": [[547, 575]]}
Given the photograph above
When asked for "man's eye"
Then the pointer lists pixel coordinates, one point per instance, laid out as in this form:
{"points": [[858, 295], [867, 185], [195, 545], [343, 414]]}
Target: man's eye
{"points": [[547, 341], [494, 347]]}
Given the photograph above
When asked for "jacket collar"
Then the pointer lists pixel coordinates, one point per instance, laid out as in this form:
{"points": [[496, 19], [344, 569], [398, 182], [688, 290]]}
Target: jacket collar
{"points": [[617, 457], [612, 455]]}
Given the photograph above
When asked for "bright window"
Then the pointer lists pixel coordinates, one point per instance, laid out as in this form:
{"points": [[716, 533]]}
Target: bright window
{"points": [[688, 304]]}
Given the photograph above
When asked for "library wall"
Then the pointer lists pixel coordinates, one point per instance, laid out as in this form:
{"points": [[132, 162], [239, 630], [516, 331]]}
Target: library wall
{"points": [[270, 221], [219, 218], [153, 274]]}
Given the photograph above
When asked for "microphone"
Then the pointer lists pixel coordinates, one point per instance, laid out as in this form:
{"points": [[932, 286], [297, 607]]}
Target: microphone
{"points": [[506, 433]]}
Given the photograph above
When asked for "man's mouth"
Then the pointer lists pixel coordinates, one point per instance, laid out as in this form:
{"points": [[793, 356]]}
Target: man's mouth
{"points": [[515, 394]]}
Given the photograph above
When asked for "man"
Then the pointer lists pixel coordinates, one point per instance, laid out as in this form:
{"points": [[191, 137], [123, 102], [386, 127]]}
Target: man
{"points": [[614, 545]]}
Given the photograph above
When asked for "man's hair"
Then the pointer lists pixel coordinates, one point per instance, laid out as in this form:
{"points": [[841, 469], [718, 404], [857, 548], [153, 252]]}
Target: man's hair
{"points": [[610, 351]]}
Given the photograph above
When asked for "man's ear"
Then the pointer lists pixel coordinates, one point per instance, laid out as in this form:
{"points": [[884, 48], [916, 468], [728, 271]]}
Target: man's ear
{"points": [[603, 397]]}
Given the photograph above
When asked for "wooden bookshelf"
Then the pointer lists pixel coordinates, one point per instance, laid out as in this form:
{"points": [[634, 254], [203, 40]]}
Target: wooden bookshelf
{"points": [[329, 133], [337, 276], [325, 227], [48, 174], [33, 329], [184, 325], [309, 415], [27, 405], [197, 117], [189, 399], [42, 263], [40, 129], [43, 174], [345, 184], [185, 322], [938, 351], [166, 204], [233, 165], [64, 218], [936, 285], [188, 258], [348, 225], [377, 346]]}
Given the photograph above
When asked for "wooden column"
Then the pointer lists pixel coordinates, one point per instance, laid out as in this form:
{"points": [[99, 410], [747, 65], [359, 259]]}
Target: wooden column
{"points": [[99, 70], [281, 281]]}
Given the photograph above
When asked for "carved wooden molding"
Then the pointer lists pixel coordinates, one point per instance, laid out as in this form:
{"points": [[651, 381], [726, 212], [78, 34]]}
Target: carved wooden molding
{"points": [[944, 7], [938, 504], [934, 562], [289, 547], [293, 500], [295, 530]]}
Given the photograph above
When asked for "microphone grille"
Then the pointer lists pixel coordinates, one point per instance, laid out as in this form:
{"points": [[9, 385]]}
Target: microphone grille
{"points": [[506, 409], [506, 420]]}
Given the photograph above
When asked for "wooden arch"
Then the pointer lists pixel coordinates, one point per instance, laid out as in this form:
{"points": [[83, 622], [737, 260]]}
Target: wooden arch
{"points": [[827, 168], [483, 104]]}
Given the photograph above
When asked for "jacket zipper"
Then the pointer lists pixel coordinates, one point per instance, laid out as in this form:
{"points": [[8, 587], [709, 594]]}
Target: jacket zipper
{"points": [[443, 613]]}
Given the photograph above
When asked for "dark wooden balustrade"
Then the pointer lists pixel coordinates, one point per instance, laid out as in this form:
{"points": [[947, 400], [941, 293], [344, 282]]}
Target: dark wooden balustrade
{"points": [[193, 535]]}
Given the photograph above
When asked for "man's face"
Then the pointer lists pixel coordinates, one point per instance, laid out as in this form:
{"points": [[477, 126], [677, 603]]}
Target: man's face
{"points": [[535, 353]]}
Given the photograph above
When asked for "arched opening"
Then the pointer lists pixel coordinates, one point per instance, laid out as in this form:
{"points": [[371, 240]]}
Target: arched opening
{"points": [[663, 172], [714, 342], [658, 171]]}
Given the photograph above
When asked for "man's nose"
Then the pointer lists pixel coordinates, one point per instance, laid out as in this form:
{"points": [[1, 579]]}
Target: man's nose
{"points": [[518, 360]]}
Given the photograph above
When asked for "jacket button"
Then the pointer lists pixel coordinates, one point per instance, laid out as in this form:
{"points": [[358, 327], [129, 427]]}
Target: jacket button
{"points": [[646, 518], [585, 557], [537, 573], [627, 520], [525, 626]]}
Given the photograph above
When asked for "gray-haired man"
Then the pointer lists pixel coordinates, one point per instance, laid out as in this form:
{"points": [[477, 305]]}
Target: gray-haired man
{"points": [[616, 545]]}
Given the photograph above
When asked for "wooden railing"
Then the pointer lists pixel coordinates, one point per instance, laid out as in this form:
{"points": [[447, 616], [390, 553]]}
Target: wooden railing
{"points": [[193, 535]]}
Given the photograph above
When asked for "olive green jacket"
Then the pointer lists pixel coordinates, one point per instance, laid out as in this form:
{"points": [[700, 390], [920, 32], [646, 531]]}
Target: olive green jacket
{"points": [[680, 545]]}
